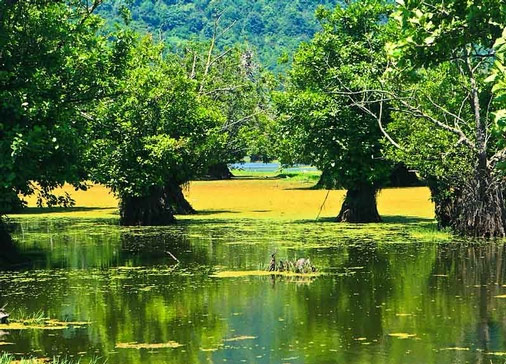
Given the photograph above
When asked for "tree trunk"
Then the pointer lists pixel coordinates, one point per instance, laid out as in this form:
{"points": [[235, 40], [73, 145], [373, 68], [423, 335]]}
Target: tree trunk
{"points": [[478, 209], [219, 171], [359, 206], [152, 210], [177, 201]]}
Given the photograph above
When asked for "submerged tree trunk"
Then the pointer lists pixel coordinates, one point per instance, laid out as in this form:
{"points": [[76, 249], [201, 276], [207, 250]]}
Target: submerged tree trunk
{"points": [[177, 201], [479, 208], [359, 206], [152, 210], [475, 208], [219, 171]]}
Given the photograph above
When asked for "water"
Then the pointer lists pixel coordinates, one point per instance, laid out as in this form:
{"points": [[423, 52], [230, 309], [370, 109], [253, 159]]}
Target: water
{"points": [[270, 167], [385, 298]]}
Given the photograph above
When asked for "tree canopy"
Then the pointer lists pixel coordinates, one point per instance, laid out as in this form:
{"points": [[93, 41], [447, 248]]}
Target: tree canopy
{"points": [[318, 126], [53, 67]]}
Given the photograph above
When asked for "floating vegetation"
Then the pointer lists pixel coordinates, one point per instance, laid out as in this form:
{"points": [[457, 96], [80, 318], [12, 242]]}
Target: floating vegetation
{"points": [[209, 349], [240, 338], [261, 273], [401, 335], [47, 324], [455, 348], [135, 345]]}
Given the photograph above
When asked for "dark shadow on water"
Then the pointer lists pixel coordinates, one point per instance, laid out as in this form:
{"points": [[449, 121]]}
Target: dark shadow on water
{"points": [[52, 210], [213, 212], [388, 219], [399, 219]]}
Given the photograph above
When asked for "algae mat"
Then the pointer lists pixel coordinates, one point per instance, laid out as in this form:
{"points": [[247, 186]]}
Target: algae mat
{"points": [[261, 198]]}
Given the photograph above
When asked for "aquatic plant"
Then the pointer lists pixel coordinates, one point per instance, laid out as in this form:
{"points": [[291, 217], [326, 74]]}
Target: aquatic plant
{"points": [[300, 266]]}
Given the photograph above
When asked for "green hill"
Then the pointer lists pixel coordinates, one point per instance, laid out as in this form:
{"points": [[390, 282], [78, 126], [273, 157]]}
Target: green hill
{"points": [[271, 27]]}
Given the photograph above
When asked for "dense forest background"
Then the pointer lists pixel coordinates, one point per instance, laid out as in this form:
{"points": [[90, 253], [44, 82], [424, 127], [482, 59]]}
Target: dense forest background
{"points": [[273, 28]]}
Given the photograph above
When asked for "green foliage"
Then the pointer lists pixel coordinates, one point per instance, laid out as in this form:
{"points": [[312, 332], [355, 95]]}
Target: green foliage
{"points": [[154, 130], [498, 78], [318, 126], [53, 66], [434, 152], [444, 106], [231, 81], [436, 31], [271, 27], [443, 47]]}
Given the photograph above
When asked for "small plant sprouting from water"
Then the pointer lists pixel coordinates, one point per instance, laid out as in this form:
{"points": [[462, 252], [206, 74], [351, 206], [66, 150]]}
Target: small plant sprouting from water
{"points": [[34, 318], [300, 266]]}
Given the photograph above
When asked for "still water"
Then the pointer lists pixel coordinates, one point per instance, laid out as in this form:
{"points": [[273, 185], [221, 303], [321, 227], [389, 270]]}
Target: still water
{"points": [[382, 298]]}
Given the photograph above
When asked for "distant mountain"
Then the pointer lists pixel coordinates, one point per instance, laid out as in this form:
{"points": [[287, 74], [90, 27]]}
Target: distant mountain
{"points": [[271, 27]]}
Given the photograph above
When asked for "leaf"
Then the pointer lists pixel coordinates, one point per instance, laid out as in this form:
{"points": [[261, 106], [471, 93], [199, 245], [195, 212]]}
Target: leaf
{"points": [[491, 78], [430, 40]]}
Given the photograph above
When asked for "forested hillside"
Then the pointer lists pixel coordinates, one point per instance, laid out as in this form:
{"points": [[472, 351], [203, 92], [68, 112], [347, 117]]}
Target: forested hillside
{"points": [[272, 27]]}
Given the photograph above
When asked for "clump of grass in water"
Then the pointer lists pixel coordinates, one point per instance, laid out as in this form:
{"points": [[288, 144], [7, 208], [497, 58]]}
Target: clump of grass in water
{"points": [[299, 266], [34, 318]]}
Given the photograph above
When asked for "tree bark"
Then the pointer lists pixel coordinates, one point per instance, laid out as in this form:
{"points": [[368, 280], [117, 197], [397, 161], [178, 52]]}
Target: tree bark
{"points": [[151, 210], [475, 208], [478, 209], [177, 201], [219, 171], [359, 206]]}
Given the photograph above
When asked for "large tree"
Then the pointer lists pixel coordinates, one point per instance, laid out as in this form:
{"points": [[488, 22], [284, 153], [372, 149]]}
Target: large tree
{"points": [[53, 67], [317, 124], [435, 84], [152, 135]]}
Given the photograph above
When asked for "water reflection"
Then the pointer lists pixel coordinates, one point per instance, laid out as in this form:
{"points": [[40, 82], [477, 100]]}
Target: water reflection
{"points": [[380, 302]]}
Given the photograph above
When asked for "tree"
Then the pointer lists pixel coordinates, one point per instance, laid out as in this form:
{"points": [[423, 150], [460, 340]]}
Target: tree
{"points": [[154, 134], [231, 80], [318, 126], [53, 67], [435, 84]]}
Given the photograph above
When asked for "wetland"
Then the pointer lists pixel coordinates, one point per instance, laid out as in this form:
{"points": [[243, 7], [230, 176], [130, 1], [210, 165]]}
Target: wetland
{"points": [[391, 292]]}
